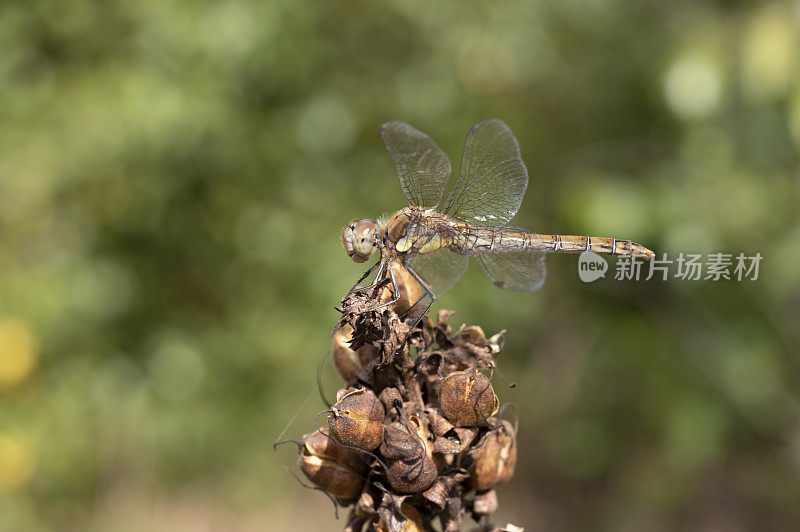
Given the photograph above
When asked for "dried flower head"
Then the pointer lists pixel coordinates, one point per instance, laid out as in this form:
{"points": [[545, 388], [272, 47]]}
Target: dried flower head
{"points": [[432, 449]]}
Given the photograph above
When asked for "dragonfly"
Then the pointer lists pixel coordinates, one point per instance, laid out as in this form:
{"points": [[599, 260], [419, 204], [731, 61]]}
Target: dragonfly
{"points": [[448, 219]]}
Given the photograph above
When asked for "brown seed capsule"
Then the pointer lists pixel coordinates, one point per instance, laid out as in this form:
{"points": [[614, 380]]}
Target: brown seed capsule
{"points": [[467, 398], [404, 441], [391, 398], [413, 522], [412, 477], [485, 503], [336, 469], [357, 419], [350, 362], [493, 458], [365, 505], [409, 455]]}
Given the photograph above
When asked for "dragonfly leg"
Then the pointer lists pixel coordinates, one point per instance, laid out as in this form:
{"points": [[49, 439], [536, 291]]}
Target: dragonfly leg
{"points": [[357, 288], [379, 275], [394, 290], [428, 293]]}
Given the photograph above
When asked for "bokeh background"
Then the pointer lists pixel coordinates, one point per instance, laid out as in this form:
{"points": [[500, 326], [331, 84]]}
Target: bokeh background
{"points": [[174, 176]]}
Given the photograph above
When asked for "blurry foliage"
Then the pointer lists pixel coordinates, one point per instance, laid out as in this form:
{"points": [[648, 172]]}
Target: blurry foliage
{"points": [[174, 177]]}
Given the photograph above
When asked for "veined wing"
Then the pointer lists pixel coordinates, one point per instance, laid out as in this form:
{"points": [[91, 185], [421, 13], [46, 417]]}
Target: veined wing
{"points": [[505, 254], [440, 269], [423, 168], [492, 179], [519, 271]]}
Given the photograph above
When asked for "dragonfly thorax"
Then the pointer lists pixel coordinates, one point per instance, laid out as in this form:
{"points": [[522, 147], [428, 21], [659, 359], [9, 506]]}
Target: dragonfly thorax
{"points": [[359, 239]]}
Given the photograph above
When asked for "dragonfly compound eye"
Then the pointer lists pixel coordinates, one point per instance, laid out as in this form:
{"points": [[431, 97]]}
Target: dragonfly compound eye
{"points": [[358, 239]]}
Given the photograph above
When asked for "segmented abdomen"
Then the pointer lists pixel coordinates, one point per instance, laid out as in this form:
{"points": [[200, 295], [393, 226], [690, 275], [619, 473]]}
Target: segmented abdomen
{"points": [[471, 240]]}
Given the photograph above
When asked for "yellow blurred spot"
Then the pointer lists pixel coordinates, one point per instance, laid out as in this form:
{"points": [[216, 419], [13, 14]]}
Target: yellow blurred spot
{"points": [[769, 53], [486, 65], [18, 352], [693, 85], [16, 463]]}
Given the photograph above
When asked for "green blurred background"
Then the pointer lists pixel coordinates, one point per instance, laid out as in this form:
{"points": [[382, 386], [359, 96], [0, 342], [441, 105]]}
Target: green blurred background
{"points": [[174, 176]]}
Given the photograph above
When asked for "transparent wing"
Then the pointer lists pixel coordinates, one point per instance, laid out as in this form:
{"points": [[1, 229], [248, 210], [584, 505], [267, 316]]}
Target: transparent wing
{"points": [[441, 269], [520, 271], [423, 168], [492, 180]]}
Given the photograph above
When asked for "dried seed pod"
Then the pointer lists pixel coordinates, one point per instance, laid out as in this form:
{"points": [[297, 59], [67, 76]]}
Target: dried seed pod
{"points": [[446, 446], [405, 441], [493, 458], [409, 455], [350, 362], [413, 522], [365, 505], [467, 398], [485, 503], [472, 334], [357, 419], [391, 398], [412, 477], [336, 469]]}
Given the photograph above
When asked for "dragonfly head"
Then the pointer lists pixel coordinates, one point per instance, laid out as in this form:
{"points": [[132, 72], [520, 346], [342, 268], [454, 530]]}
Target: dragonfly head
{"points": [[359, 239]]}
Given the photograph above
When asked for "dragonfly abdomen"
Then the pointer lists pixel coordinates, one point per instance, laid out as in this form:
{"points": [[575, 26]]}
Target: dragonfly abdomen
{"points": [[596, 244], [492, 240]]}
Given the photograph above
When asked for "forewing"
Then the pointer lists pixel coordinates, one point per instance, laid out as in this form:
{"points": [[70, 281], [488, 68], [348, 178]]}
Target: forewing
{"points": [[519, 271], [440, 269], [492, 179], [423, 168]]}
